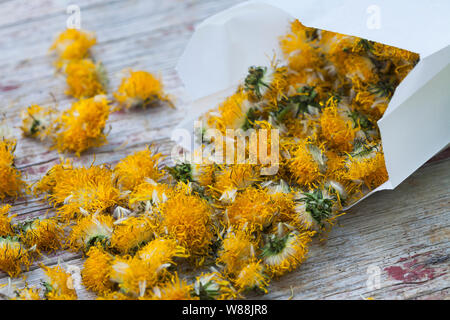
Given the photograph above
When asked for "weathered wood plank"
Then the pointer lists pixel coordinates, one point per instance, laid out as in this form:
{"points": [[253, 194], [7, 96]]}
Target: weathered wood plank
{"points": [[405, 233]]}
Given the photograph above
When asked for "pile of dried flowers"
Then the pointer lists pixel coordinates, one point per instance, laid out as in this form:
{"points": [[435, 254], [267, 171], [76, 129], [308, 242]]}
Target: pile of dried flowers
{"points": [[207, 231]]}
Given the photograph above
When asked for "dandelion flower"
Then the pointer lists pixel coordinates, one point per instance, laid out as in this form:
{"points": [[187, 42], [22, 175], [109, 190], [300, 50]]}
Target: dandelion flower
{"points": [[237, 249], [252, 277], [252, 209], [91, 230], [133, 276], [187, 219], [5, 222], [284, 254], [149, 193], [58, 284], [85, 79], [136, 168], [175, 289], [12, 183], [44, 234], [213, 286], [82, 126], [91, 189], [140, 89], [73, 44], [96, 270], [37, 121], [13, 256], [132, 233], [28, 294]]}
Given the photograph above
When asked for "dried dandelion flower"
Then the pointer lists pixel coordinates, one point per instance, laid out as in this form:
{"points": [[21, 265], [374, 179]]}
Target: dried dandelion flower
{"points": [[90, 231], [237, 250], [13, 256], [175, 289], [73, 44], [28, 294], [284, 254], [149, 193], [252, 278], [5, 222], [140, 89], [252, 210], [43, 234], [233, 178], [96, 270], [37, 121], [57, 173], [85, 79], [159, 253], [132, 233], [187, 219], [236, 112], [313, 209], [307, 163], [266, 84], [82, 126], [12, 183], [133, 170], [336, 129], [133, 276], [213, 286], [58, 284], [81, 190], [367, 166]]}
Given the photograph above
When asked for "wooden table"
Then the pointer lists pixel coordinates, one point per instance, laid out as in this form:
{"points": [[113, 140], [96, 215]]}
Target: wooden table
{"points": [[402, 235]]}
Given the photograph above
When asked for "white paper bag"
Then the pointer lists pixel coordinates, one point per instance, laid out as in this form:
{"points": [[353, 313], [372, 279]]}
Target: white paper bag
{"points": [[416, 124]]}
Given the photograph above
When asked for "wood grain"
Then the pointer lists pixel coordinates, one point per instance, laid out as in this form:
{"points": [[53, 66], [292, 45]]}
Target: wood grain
{"points": [[404, 233]]}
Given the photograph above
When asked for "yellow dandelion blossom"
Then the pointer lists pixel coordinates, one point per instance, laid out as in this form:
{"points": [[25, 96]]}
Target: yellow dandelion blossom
{"points": [[313, 209], [307, 163], [13, 256], [96, 270], [132, 233], [82, 126], [5, 222], [58, 284], [28, 294], [284, 254], [236, 112], [237, 249], [370, 170], [213, 286], [175, 289], [149, 193], [252, 209], [133, 276], [370, 104], [37, 121], [235, 177], [44, 234], [91, 230], [252, 277], [136, 168], [73, 44], [81, 190], [159, 253], [203, 174], [264, 84], [140, 89], [187, 219], [12, 183], [57, 173], [336, 129], [85, 79], [299, 52]]}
